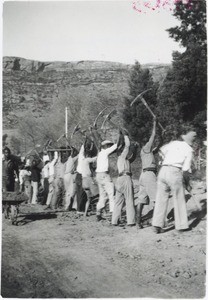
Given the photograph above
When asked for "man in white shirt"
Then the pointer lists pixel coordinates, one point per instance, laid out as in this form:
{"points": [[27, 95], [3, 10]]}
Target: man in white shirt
{"points": [[177, 157], [105, 183], [53, 157], [44, 180], [87, 181], [59, 190], [70, 179], [25, 181], [124, 187]]}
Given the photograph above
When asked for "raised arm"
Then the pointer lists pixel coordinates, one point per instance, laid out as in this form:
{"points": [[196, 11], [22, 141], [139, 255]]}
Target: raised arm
{"points": [[157, 148], [126, 146], [148, 145]]}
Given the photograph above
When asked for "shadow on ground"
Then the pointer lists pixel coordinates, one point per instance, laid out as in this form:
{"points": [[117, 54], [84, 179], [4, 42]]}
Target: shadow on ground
{"points": [[31, 217]]}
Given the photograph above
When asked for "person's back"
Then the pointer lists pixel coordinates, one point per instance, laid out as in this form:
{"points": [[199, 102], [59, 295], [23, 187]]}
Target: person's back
{"points": [[177, 157], [147, 158], [175, 153]]}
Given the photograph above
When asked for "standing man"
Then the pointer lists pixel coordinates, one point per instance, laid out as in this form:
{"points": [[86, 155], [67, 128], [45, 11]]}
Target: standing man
{"points": [[147, 180], [70, 178], [59, 191], [44, 181], [87, 180], [9, 171], [53, 156], [25, 181], [35, 180], [105, 183], [124, 187], [177, 157]]}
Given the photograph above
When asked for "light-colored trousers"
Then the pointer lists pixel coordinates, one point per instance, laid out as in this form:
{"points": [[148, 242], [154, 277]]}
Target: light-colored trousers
{"points": [[50, 189], [170, 179], [147, 188], [70, 188], [59, 192], [124, 192], [35, 192], [27, 186], [106, 191]]}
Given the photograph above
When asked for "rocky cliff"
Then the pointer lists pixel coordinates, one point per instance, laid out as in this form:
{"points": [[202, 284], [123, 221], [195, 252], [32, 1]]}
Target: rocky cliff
{"points": [[31, 88]]}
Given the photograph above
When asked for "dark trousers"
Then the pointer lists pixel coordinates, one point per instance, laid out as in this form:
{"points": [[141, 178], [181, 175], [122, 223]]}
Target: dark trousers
{"points": [[45, 190], [81, 195], [8, 184]]}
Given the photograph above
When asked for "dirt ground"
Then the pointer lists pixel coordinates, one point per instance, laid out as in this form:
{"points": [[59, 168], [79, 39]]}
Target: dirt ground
{"points": [[55, 254]]}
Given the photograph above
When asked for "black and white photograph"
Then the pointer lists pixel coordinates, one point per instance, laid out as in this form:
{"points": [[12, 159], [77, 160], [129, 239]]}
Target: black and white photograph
{"points": [[104, 147]]}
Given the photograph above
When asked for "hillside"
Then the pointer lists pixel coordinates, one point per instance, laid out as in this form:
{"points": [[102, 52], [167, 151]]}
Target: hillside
{"points": [[41, 90]]}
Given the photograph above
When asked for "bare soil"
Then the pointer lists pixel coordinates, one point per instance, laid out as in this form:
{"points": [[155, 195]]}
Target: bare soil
{"points": [[55, 254]]}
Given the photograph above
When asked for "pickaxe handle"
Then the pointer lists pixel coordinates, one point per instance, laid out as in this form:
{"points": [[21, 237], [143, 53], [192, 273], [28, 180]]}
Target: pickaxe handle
{"points": [[57, 149], [149, 109]]}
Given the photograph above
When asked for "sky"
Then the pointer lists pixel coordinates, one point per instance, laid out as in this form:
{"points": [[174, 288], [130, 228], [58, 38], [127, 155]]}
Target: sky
{"points": [[88, 30]]}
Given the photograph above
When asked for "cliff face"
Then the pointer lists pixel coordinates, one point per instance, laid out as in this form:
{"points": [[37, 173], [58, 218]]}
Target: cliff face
{"points": [[31, 88]]}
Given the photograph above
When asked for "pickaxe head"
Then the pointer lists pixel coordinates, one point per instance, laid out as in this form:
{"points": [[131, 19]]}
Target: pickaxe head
{"points": [[139, 96], [99, 115], [108, 117], [76, 128]]}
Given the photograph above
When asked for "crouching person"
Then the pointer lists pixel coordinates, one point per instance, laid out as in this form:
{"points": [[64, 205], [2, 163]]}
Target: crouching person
{"points": [[124, 187]]}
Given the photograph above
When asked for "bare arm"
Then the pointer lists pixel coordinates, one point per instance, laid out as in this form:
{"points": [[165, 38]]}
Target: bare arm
{"points": [[148, 146], [126, 147]]}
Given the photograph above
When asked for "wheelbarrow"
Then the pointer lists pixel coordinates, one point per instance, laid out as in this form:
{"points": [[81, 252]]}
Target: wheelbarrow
{"points": [[11, 202]]}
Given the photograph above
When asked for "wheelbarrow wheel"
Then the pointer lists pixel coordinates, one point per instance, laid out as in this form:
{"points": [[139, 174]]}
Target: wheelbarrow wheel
{"points": [[14, 213]]}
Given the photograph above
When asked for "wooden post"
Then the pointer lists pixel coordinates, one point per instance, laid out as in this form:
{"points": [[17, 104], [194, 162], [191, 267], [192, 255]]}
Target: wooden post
{"points": [[66, 124]]}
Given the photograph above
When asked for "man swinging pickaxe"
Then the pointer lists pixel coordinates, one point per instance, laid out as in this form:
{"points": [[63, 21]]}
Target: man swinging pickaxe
{"points": [[140, 97]]}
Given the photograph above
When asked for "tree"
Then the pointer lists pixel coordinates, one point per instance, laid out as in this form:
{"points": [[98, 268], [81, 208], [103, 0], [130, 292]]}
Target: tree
{"points": [[137, 119], [182, 98], [15, 145]]}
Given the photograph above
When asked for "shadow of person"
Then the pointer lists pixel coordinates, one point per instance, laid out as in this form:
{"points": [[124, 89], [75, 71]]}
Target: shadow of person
{"points": [[31, 217], [170, 215], [198, 215]]}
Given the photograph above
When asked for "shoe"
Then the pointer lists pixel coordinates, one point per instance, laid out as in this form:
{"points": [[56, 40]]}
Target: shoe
{"points": [[183, 230], [157, 229], [80, 213], [99, 218], [140, 226], [47, 207], [131, 225]]}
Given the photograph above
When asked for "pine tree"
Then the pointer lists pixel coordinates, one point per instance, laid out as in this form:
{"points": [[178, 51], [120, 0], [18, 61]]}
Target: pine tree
{"points": [[137, 119], [182, 98]]}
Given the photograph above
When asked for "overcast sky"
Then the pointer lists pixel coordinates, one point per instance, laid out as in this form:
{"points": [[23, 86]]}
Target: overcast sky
{"points": [[87, 30]]}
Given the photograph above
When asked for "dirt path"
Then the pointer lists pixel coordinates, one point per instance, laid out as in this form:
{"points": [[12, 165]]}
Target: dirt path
{"points": [[61, 255]]}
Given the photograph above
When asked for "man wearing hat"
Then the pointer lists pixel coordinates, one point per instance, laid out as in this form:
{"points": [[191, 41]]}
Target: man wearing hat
{"points": [[177, 157], [105, 183]]}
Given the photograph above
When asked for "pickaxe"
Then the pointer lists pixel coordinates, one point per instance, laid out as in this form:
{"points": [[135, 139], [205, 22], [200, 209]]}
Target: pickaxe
{"points": [[107, 118], [76, 129], [99, 115], [140, 97]]}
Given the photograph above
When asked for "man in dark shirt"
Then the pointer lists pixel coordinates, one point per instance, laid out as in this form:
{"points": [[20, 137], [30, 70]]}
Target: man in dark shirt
{"points": [[9, 171]]}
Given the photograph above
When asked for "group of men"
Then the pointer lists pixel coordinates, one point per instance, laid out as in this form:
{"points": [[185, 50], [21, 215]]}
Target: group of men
{"points": [[72, 178]]}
